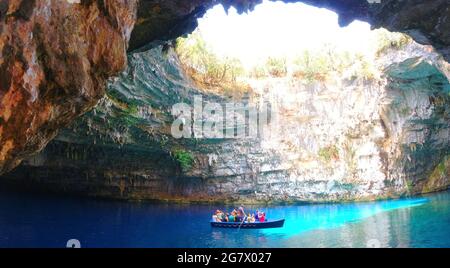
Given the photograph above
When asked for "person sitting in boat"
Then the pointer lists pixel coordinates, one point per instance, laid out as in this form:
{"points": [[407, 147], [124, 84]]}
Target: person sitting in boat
{"points": [[256, 215], [232, 216], [222, 216], [219, 216], [251, 219], [262, 217]]}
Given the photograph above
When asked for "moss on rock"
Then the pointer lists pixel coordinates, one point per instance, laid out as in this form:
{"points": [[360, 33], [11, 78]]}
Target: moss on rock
{"points": [[184, 158]]}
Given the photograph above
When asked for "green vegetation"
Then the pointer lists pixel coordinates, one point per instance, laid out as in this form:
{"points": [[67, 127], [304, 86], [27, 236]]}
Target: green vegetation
{"points": [[207, 68], [329, 153], [409, 186], [184, 158], [318, 64], [387, 40], [276, 67], [117, 99], [125, 106], [312, 66], [258, 72], [437, 175], [441, 168], [133, 109], [405, 111]]}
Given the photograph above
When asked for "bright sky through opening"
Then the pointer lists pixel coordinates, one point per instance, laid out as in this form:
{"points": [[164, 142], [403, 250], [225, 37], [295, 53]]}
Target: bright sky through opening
{"points": [[280, 30]]}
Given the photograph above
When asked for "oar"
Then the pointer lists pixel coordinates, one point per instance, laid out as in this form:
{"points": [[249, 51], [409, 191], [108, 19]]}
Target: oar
{"points": [[242, 223]]}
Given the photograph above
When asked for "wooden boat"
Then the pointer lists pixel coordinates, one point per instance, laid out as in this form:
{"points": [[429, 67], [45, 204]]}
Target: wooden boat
{"points": [[248, 225]]}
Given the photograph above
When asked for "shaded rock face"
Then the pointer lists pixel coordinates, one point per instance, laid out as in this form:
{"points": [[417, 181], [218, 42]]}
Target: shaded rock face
{"points": [[56, 55], [348, 139], [428, 22]]}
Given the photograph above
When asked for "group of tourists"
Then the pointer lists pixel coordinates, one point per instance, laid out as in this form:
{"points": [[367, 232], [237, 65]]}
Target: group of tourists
{"points": [[239, 215]]}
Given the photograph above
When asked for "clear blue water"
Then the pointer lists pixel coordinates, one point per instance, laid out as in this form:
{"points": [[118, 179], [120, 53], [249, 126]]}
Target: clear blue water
{"points": [[31, 220]]}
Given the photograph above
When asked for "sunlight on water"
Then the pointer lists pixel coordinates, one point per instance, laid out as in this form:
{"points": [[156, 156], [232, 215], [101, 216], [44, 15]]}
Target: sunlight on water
{"points": [[303, 218]]}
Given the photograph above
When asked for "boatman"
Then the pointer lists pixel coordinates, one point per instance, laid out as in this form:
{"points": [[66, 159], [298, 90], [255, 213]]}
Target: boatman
{"points": [[241, 214]]}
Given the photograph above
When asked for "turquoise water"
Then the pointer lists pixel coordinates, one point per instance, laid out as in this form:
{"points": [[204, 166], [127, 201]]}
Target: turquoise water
{"points": [[32, 220]]}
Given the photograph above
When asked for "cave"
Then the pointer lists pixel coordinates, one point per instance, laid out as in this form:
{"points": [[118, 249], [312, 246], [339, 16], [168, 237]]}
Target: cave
{"points": [[88, 90]]}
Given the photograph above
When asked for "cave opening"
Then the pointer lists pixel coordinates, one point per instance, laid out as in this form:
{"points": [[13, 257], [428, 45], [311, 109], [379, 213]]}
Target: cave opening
{"points": [[283, 40]]}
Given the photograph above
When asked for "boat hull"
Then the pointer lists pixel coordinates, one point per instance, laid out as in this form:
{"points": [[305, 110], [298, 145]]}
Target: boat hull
{"points": [[254, 225]]}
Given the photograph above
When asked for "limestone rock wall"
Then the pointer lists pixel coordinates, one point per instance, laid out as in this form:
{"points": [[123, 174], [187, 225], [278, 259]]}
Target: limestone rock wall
{"points": [[348, 139], [55, 56]]}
